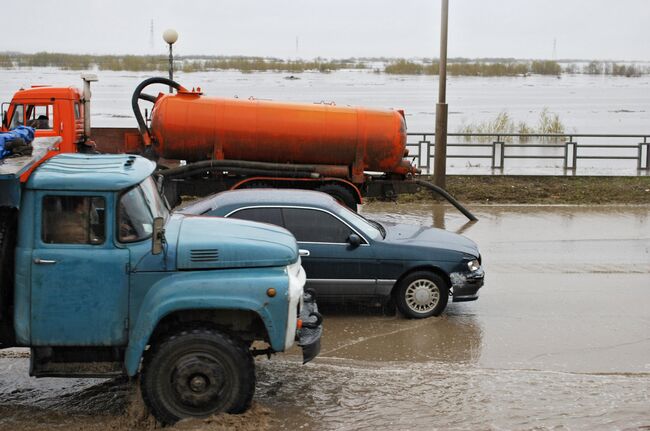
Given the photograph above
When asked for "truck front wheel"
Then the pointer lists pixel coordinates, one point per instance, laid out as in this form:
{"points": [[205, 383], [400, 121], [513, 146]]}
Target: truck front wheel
{"points": [[197, 373]]}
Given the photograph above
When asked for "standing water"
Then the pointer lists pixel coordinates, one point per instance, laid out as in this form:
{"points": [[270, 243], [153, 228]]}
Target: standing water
{"points": [[557, 340]]}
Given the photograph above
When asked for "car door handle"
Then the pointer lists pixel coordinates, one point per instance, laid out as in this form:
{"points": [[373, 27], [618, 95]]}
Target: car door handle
{"points": [[303, 253], [44, 262]]}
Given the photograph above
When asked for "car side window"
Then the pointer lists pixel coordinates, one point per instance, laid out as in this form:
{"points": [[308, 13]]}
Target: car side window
{"points": [[309, 225], [264, 215], [73, 220]]}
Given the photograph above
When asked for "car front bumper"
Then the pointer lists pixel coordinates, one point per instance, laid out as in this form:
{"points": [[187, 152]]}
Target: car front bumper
{"points": [[465, 285]]}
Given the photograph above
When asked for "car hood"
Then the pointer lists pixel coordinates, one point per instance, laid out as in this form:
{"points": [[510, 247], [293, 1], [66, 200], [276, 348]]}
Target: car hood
{"points": [[215, 242], [429, 237]]}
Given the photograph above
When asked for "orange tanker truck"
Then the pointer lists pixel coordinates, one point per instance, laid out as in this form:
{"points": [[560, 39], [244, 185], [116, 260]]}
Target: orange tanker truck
{"points": [[207, 144]]}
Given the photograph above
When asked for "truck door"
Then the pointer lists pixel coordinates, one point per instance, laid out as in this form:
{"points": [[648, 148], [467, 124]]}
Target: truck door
{"points": [[79, 278]]}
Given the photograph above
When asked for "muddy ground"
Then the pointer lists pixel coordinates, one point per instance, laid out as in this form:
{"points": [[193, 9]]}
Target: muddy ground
{"points": [[528, 189], [559, 339]]}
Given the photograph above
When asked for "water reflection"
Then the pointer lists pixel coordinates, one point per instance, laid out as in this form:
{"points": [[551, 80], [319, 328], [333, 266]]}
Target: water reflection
{"points": [[364, 334]]}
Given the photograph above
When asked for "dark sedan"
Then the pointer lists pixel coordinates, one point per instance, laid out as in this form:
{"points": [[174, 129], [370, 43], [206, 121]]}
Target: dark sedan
{"points": [[347, 256]]}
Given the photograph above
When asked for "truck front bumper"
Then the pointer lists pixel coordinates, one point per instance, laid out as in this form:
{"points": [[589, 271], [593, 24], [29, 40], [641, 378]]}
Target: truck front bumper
{"points": [[309, 335]]}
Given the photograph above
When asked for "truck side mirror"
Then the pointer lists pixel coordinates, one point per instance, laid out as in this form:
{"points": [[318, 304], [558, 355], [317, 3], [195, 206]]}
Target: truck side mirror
{"points": [[354, 240], [158, 236]]}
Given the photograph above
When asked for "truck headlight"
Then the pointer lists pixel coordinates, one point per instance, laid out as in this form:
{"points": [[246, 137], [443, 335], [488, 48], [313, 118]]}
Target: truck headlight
{"points": [[473, 265]]}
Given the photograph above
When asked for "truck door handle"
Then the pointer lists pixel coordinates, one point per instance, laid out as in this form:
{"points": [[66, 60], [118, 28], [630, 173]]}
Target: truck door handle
{"points": [[303, 253], [44, 261]]}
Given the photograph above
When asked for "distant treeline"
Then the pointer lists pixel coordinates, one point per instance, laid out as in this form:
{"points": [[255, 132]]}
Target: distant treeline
{"points": [[515, 68], [458, 66], [260, 64], [139, 63]]}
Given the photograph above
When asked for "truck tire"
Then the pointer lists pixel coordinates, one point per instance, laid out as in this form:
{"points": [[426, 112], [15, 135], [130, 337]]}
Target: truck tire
{"points": [[343, 195], [7, 248], [196, 373], [421, 294]]}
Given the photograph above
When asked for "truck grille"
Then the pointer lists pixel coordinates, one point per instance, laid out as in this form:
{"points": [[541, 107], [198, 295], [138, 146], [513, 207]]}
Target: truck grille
{"points": [[204, 255]]}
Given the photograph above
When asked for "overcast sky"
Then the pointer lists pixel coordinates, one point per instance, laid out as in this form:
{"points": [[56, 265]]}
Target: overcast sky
{"points": [[595, 29]]}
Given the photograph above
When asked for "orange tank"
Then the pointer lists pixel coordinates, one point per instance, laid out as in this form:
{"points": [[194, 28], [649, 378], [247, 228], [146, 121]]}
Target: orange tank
{"points": [[193, 127]]}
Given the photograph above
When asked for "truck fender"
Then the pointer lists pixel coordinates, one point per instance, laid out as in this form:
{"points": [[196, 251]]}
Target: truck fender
{"points": [[236, 290]]}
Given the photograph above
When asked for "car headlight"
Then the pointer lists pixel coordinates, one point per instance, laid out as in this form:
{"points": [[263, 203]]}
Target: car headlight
{"points": [[473, 265]]}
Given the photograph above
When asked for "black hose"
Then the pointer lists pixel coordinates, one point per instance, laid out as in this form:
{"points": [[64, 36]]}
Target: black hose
{"points": [[442, 192], [243, 171], [224, 164], [137, 94]]}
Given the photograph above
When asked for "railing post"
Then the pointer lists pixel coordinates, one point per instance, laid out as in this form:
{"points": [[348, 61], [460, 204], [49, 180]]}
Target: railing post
{"points": [[502, 155], [566, 155], [494, 153], [424, 150], [575, 153]]}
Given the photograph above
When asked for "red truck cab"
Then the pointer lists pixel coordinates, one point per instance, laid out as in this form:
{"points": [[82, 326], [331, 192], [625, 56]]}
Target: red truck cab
{"points": [[52, 111]]}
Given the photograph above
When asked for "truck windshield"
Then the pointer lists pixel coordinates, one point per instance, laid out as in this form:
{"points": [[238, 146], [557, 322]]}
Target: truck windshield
{"points": [[137, 209]]}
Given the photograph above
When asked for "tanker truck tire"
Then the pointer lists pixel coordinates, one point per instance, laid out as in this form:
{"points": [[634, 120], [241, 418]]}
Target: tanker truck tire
{"points": [[343, 195], [196, 373]]}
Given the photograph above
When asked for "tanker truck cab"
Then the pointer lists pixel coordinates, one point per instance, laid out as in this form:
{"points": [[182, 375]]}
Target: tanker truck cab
{"points": [[52, 112], [108, 281]]}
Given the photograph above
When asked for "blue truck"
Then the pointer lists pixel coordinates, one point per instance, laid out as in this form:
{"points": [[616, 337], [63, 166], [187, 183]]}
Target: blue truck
{"points": [[99, 278]]}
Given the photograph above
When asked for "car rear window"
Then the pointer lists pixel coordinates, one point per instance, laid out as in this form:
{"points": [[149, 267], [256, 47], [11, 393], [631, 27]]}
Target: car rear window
{"points": [[264, 215]]}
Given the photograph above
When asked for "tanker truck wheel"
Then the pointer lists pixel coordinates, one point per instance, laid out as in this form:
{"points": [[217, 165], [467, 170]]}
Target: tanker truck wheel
{"points": [[195, 373], [343, 195]]}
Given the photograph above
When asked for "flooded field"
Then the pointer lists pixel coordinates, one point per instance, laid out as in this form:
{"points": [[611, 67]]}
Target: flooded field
{"points": [[585, 104], [559, 339]]}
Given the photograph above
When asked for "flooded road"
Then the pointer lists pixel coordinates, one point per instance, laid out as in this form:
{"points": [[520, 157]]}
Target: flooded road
{"points": [[559, 339]]}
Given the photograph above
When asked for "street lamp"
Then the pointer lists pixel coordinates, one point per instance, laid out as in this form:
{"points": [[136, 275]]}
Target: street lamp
{"points": [[440, 149], [170, 36]]}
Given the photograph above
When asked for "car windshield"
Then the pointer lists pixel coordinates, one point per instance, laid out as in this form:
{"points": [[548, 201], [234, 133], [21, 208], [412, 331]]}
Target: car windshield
{"points": [[370, 228], [137, 209]]}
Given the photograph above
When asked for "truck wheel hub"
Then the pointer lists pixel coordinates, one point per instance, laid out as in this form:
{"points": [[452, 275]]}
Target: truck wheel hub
{"points": [[198, 381]]}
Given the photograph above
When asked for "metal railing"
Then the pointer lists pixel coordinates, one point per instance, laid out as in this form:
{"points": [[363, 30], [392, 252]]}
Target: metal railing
{"points": [[565, 147]]}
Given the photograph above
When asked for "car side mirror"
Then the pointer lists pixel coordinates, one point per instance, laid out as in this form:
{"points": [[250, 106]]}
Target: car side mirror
{"points": [[158, 235], [354, 240]]}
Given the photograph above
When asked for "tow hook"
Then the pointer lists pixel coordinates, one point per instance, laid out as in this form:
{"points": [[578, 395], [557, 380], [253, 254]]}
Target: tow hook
{"points": [[259, 352]]}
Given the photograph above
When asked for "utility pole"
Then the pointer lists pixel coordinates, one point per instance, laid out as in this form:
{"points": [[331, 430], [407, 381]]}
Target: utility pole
{"points": [[440, 151]]}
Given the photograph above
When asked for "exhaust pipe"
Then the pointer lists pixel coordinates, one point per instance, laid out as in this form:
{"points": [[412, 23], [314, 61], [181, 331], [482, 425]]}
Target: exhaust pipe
{"points": [[87, 79]]}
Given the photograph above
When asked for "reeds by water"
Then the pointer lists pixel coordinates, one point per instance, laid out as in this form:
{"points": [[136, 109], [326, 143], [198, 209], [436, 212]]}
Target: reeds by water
{"points": [[547, 123]]}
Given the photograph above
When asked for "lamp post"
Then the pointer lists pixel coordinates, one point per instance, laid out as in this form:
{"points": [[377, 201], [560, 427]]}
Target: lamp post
{"points": [[170, 36], [440, 150]]}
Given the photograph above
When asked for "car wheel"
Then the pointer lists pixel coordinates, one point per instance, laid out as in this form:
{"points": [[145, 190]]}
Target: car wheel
{"points": [[197, 373], [341, 194], [422, 294]]}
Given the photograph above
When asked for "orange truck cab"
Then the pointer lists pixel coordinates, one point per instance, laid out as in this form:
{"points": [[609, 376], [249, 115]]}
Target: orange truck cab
{"points": [[52, 111]]}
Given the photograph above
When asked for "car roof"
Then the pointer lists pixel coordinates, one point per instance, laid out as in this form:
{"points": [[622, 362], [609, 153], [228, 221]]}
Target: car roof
{"points": [[231, 200]]}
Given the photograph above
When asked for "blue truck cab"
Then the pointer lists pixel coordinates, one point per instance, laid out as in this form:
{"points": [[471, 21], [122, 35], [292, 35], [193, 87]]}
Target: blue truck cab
{"points": [[100, 278]]}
